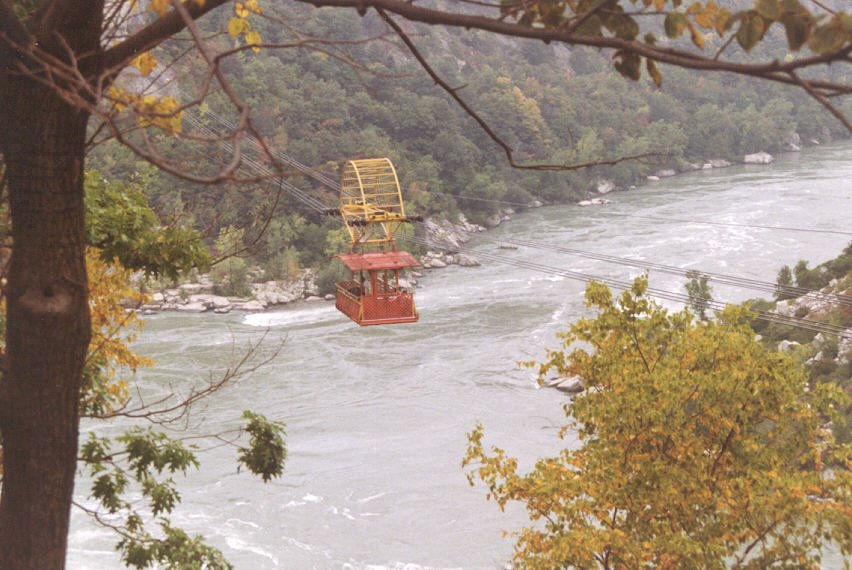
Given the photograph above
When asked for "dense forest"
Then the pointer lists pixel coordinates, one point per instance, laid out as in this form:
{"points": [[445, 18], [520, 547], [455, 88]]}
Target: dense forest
{"points": [[549, 103]]}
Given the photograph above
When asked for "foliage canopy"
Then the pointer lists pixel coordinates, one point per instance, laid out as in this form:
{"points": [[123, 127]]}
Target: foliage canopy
{"points": [[698, 448]]}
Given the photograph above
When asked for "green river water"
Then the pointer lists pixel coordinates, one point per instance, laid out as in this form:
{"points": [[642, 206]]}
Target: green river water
{"points": [[377, 416]]}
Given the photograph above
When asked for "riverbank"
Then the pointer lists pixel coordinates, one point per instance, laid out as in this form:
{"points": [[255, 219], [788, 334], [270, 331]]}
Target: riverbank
{"points": [[444, 240]]}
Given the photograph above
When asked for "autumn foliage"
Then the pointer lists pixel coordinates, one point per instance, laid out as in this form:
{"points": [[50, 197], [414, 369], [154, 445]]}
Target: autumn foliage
{"points": [[698, 448]]}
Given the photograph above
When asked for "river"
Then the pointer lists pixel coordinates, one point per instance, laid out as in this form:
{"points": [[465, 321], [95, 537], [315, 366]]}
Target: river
{"points": [[377, 416]]}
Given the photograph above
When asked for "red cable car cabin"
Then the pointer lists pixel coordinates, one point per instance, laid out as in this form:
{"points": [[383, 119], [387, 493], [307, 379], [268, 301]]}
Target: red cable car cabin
{"points": [[372, 296]]}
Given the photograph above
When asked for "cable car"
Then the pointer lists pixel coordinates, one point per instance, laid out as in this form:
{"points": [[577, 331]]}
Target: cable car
{"points": [[372, 210]]}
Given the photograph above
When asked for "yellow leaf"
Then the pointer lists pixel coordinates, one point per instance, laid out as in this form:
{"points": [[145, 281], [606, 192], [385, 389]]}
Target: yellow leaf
{"points": [[254, 39], [704, 18], [697, 37], [237, 26], [720, 20], [145, 63], [241, 10], [159, 6]]}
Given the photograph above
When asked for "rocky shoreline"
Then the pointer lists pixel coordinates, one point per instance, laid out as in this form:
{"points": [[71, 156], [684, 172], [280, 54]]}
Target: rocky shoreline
{"points": [[200, 296], [444, 240], [792, 144]]}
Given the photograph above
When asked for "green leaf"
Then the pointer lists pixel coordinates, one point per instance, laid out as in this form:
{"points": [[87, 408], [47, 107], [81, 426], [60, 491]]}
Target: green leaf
{"points": [[768, 9], [623, 26], [675, 24], [830, 37], [591, 27], [108, 488], [797, 28], [628, 64], [751, 30], [266, 452]]}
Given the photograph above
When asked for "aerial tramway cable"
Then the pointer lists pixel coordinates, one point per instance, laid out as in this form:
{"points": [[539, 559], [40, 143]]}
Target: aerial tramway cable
{"points": [[317, 205]]}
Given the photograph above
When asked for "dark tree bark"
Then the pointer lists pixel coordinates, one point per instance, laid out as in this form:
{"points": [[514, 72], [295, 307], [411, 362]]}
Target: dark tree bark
{"points": [[48, 325], [42, 138]]}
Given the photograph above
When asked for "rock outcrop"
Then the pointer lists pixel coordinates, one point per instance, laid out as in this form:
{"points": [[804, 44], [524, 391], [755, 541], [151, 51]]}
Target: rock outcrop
{"points": [[758, 158], [568, 384], [594, 202], [605, 186], [448, 236]]}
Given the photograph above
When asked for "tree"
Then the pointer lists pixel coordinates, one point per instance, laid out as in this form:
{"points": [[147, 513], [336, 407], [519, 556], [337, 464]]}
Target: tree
{"points": [[783, 282], [700, 293], [60, 66], [698, 449]]}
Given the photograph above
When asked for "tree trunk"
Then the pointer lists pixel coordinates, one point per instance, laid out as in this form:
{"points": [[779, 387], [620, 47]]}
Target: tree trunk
{"points": [[43, 140]]}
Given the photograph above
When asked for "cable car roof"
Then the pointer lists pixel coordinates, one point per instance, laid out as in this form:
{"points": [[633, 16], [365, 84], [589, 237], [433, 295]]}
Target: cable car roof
{"points": [[379, 260]]}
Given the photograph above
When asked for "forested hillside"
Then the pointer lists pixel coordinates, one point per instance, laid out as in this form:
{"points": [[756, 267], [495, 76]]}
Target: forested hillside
{"points": [[549, 103]]}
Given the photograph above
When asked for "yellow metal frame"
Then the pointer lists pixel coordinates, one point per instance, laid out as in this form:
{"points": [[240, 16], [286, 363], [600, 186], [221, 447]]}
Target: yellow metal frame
{"points": [[371, 202]]}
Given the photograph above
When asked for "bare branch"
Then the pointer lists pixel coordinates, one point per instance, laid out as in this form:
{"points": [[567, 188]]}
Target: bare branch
{"points": [[575, 25], [156, 33], [453, 92], [166, 412], [822, 100], [775, 71]]}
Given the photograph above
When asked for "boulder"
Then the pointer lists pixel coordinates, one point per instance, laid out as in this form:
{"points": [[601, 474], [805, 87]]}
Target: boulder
{"points": [[310, 284], [192, 308], [569, 384], [653, 178], [758, 158], [466, 260], [793, 143], [330, 297], [605, 186], [665, 173], [787, 345], [205, 300], [706, 166], [844, 347], [504, 245], [493, 221], [223, 310], [158, 297], [435, 263], [313, 298], [440, 236], [719, 163], [190, 288], [251, 306], [594, 202]]}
